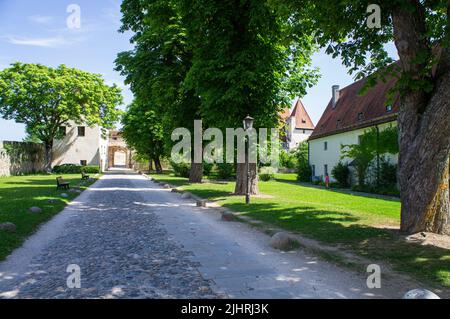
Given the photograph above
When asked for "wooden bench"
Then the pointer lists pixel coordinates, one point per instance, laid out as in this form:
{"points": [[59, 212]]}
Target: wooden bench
{"points": [[61, 183], [84, 176]]}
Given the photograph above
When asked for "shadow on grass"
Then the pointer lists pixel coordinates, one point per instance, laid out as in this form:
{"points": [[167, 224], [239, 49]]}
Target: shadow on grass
{"points": [[428, 263]]}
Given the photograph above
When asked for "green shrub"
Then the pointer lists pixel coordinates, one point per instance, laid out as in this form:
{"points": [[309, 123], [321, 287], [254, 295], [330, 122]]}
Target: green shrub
{"points": [[304, 172], [341, 174], [388, 175], [225, 170], [288, 159], [267, 173], [75, 169], [207, 168], [181, 168], [90, 169]]}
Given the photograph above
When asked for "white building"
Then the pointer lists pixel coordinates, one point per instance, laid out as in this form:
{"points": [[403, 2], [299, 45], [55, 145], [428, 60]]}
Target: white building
{"points": [[84, 145], [297, 126], [81, 145], [347, 116]]}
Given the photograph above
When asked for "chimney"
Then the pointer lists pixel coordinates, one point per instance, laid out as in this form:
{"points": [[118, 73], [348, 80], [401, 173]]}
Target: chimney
{"points": [[335, 98]]}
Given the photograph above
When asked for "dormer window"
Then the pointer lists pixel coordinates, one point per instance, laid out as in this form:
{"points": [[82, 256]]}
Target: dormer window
{"points": [[339, 123], [303, 121], [361, 116]]}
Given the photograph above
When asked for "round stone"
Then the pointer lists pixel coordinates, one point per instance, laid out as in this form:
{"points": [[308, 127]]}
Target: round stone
{"points": [[201, 203], [185, 196], [8, 227], [35, 210], [64, 195], [282, 241], [227, 216], [167, 186], [420, 294]]}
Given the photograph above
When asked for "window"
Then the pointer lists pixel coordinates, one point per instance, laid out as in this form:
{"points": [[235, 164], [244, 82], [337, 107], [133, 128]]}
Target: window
{"points": [[83, 163], [62, 131], [81, 131], [325, 169], [304, 131], [388, 108], [339, 122], [325, 146], [360, 116], [313, 168]]}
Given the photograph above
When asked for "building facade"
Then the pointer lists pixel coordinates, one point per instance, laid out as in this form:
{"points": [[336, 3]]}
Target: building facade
{"points": [[348, 116], [297, 126], [84, 145]]}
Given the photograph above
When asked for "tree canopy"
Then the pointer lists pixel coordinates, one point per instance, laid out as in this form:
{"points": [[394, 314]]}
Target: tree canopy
{"points": [[45, 98]]}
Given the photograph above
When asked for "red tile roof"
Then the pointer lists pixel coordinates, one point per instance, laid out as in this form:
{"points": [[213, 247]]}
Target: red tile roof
{"points": [[354, 111], [302, 119]]}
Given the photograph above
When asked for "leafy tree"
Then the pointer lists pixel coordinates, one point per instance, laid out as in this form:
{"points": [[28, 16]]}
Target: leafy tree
{"points": [[157, 66], [245, 61], [421, 33], [372, 144], [45, 98], [143, 132]]}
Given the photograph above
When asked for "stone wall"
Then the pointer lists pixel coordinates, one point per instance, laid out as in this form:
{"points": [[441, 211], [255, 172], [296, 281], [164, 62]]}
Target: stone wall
{"points": [[18, 158]]}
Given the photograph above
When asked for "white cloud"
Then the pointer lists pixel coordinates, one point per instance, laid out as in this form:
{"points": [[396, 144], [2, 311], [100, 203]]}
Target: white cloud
{"points": [[112, 13], [51, 42], [40, 19]]}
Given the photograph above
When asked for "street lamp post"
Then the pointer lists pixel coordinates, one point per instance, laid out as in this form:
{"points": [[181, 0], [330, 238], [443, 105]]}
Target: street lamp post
{"points": [[248, 125]]}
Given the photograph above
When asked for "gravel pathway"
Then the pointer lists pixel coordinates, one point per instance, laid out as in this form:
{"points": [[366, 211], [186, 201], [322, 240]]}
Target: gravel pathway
{"points": [[132, 238], [121, 249]]}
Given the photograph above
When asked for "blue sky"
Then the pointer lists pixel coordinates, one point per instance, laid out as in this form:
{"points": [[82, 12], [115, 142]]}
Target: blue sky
{"points": [[36, 32]]}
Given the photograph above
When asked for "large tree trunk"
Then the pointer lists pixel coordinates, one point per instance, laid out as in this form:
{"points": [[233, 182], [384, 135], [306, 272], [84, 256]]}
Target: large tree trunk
{"points": [[241, 179], [196, 173], [158, 166], [48, 159], [424, 126], [150, 165]]}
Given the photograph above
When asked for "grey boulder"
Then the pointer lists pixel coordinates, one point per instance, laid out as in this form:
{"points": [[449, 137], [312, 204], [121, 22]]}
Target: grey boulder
{"points": [[185, 196], [35, 210], [8, 227], [227, 216], [283, 241]]}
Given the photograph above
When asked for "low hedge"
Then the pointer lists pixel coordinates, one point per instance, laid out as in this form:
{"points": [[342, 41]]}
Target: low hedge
{"points": [[75, 169]]}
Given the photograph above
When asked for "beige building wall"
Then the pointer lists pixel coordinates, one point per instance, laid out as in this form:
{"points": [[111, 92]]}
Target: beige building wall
{"points": [[295, 135], [319, 157], [73, 149]]}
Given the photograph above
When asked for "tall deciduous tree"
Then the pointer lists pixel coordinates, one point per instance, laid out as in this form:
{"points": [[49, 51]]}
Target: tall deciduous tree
{"points": [[45, 98], [244, 62], [157, 66], [421, 33], [143, 131]]}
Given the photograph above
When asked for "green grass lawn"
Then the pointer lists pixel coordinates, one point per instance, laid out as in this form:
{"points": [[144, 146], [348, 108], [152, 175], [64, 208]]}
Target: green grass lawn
{"points": [[357, 223], [18, 194]]}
